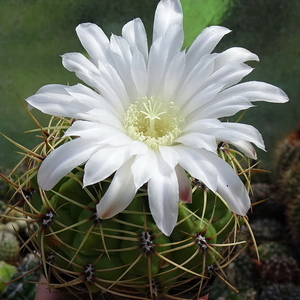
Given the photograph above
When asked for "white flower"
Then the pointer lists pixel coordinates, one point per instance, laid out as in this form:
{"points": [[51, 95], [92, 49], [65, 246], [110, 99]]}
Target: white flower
{"points": [[153, 115]]}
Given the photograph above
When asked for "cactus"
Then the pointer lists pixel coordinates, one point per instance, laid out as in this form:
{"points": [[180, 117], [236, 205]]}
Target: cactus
{"points": [[269, 249], [281, 292], [9, 247], [126, 255], [293, 221], [280, 270], [6, 273], [288, 152], [24, 280], [288, 181], [267, 229]]}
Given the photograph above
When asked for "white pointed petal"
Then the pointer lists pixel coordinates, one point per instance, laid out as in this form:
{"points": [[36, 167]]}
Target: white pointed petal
{"points": [[221, 108], [119, 194], [53, 99], [100, 133], [197, 165], [94, 40], [195, 80], [137, 147], [135, 34], [239, 97], [246, 148], [163, 191], [202, 125], [204, 44], [103, 163], [122, 57], [65, 101], [173, 78], [198, 140], [233, 132], [203, 97], [140, 167], [229, 74], [83, 68], [103, 116], [112, 88], [139, 74], [185, 188], [257, 91], [230, 187], [63, 160], [235, 54], [162, 52], [89, 98], [169, 155], [168, 12]]}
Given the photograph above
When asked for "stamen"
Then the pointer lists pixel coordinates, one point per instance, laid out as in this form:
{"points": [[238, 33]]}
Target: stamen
{"points": [[154, 122]]}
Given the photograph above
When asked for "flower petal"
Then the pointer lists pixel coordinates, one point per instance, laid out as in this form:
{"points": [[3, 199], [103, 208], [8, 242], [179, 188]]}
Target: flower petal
{"points": [[163, 193], [100, 133], [195, 80], [102, 164], [76, 101], [135, 34], [198, 140], [122, 57], [64, 159], [202, 125], [94, 40], [168, 12], [229, 74], [140, 167], [139, 74], [221, 107], [185, 188], [161, 54], [246, 148], [119, 194], [234, 54], [83, 68], [234, 132], [204, 96], [173, 77], [169, 155], [229, 185], [195, 162], [205, 42], [257, 91]]}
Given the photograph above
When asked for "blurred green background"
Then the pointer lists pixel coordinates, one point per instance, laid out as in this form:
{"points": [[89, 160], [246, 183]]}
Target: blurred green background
{"points": [[34, 33]]}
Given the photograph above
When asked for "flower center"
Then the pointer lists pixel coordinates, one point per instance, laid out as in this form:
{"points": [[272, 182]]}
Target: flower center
{"points": [[154, 122]]}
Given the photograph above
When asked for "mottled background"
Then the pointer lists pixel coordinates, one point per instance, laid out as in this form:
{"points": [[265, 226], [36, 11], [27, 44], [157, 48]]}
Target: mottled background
{"points": [[34, 33]]}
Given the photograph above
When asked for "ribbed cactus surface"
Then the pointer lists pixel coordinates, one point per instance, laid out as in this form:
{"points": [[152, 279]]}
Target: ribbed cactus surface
{"points": [[128, 254]]}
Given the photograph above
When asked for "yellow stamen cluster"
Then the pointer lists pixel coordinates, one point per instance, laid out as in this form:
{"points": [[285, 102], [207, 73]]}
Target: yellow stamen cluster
{"points": [[154, 122]]}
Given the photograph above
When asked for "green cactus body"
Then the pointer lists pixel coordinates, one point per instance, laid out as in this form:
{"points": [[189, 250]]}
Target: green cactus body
{"points": [[127, 253], [214, 209], [9, 247], [6, 273]]}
